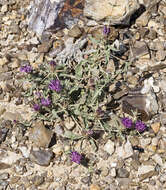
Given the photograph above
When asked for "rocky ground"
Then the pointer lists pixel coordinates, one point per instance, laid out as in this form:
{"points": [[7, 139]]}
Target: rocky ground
{"points": [[35, 156]]}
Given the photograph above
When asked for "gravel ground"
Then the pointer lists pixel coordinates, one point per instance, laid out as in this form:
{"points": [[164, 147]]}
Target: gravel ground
{"points": [[34, 156]]}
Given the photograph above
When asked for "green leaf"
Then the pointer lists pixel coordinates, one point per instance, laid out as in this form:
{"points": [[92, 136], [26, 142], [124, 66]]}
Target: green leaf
{"points": [[93, 143], [93, 40], [54, 114], [72, 136], [79, 70], [74, 88]]}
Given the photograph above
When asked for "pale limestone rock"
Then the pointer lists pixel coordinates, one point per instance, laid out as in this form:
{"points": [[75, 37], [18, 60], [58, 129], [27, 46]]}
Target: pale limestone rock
{"points": [[157, 159], [116, 11], [57, 149], [156, 127], [32, 56], [143, 169], [25, 151], [125, 151], [113, 172], [69, 123], [12, 116], [145, 141], [4, 8], [10, 157], [143, 19], [109, 147]]}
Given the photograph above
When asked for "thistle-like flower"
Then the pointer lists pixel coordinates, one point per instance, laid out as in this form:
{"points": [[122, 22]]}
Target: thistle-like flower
{"points": [[36, 107], [52, 63], [26, 69], [45, 101], [140, 126], [127, 122], [76, 157], [106, 30], [55, 85]]}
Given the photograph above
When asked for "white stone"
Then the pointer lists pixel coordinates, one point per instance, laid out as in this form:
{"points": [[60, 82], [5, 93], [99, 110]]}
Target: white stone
{"points": [[25, 151], [157, 159], [145, 169], [113, 172], [155, 141], [163, 177], [92, 23], [109, 147], [32, 56], [33, 40], [113, 164], [125, 151], [145, 141], [4, 8], [10, 158], [69, 124], [162, 85], [115, 10], [57, 149]]}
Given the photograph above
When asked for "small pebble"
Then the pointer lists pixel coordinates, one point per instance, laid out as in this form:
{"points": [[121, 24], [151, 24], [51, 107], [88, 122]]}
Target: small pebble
{"points": [[104, 171], [41, 157], [156, 127], [38, 180], [94, 187], [86, 180], [113, 172], [122, 173], [4, 176]]}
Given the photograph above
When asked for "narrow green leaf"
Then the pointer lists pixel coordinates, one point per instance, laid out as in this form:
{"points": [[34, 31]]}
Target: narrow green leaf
{"points": [[72, 136]]}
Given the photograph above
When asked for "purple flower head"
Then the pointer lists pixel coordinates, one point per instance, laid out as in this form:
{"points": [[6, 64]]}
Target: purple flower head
{"points": [[76, 157], [26, 68], [127, 122], [106, 30], [90, 132], [52, 63], [140, 126], [36, 107], [45, 101], [100, 112], [55, 85], [14, 121], [38, 94]]}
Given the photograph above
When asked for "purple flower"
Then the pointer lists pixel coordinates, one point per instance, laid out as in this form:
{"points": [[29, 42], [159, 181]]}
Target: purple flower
{"points": [[90, 132], [15, 121], [140, 126], [45, 101], [127, 122], [106, 30], [76, 157], [52, 63], [38, 94], [55, 85], [36, 107], [26, 68], [100, 112]]}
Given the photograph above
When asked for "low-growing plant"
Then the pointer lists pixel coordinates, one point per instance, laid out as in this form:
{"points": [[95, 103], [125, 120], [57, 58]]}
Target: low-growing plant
{"points": [[76, 90]]}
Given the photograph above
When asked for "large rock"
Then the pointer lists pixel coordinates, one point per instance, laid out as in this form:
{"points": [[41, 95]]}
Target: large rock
{"points": [[52, 15], [40, 135], [116, 11], [43, 14]]}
